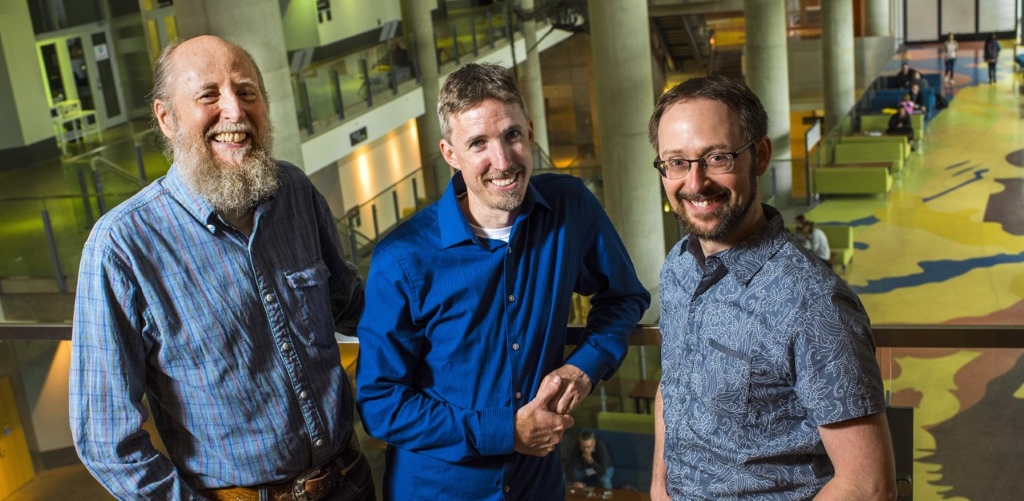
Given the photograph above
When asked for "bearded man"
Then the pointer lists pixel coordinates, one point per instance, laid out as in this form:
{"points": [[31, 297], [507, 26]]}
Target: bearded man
{"points": [[462, 365], [215, 292], [769, 389]]}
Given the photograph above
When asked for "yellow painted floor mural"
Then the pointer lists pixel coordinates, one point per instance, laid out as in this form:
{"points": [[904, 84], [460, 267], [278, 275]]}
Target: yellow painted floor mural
{"points": [[947, 247]]}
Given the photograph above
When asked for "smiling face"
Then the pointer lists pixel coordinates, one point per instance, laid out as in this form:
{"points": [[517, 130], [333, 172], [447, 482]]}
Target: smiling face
{"points": [[721, 209], [491, 144], [216, 118]]}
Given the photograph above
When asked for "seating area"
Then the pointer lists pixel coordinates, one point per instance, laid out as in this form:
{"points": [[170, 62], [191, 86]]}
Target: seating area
{"points": [[632, 455], [853, 179], [840, 243], [886, 149]]}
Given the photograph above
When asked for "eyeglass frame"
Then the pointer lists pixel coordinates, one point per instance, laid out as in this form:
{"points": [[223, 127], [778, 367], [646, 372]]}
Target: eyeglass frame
{"points": [[702, 161]]}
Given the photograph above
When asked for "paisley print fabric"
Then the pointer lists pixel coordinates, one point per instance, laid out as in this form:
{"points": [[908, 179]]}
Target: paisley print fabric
{"points": [[762, 344]]}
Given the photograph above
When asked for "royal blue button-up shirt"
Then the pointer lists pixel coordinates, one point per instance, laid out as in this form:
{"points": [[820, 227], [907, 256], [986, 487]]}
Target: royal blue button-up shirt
{"points": [[231, 338], [460, 330]]}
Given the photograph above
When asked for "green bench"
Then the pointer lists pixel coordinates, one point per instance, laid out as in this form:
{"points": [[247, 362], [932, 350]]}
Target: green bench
{"points": [[881, 123], [898, 139], [852, 180], [840, 242], [878, 151]]}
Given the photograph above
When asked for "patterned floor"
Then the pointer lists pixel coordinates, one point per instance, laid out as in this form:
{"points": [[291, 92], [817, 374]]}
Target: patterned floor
{"points": [[947, 248]]}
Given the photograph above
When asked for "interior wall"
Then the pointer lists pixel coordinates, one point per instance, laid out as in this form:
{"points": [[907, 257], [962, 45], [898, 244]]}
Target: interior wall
{"points": [[305, 27]]}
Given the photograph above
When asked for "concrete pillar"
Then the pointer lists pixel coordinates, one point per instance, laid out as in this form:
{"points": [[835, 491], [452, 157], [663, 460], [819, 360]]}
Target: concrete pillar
{"points": [[256, 26], [26, 132], [878, 18], [837, 60], [624, 99], [416, 23], [768, 77], [533, 88]]}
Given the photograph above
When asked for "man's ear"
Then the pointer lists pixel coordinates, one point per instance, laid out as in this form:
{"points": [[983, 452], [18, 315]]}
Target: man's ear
{"points": [[448, 152], [164, 117], [764, 155]]}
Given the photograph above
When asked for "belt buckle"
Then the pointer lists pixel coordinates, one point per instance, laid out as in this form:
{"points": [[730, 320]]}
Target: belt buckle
{"points": [[299, 484]]}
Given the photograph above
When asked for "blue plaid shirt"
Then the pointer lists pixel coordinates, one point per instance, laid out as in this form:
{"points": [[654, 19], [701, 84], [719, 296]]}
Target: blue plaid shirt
{"points": [[230, 337], [460, 330], [762, 344]]}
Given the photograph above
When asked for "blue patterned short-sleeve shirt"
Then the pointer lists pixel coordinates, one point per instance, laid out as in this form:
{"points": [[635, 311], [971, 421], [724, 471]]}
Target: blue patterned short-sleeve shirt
{"points": [[762, 344]]}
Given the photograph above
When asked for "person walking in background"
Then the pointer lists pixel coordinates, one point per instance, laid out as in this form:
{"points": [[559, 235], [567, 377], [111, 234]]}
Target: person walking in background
{"points": [[992, 49], [770, 388], [950, 47], [463, 369], [215, 292]]}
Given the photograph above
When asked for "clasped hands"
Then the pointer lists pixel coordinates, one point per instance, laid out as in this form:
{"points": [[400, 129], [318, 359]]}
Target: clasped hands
{"points": [[541, 423]]}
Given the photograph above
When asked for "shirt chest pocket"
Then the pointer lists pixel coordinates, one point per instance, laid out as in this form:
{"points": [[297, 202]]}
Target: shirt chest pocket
{"points": [[726, 381], [311, 304]]}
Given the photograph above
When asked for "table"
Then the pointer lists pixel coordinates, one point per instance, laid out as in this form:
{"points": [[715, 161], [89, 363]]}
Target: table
{"points": [[581, 494], [645, 390]]}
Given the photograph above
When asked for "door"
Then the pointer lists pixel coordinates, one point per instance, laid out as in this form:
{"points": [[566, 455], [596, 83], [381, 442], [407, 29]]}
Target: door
{"points": [[79, 64]]}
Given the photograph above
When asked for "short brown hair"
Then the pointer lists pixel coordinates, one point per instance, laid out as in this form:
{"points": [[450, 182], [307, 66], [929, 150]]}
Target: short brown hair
{"points": [[471, 85], [733, 93]]}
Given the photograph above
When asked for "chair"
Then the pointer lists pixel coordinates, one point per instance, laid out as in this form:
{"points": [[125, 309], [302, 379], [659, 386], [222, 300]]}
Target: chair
{"points": [[82, 122]]}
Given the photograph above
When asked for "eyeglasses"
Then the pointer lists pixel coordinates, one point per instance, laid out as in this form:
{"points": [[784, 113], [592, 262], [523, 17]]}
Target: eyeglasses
{"points": [[713, 163]]}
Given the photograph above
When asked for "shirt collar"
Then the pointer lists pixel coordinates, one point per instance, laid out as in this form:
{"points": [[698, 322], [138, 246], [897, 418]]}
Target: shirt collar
{"points": [[194, 204], [453, 225], [746, 258]]}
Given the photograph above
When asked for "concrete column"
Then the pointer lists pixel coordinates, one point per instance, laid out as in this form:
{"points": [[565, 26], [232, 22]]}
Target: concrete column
{"points": [[416, 23], [624, 99], [837, 60], [533, 88], [256, 26], [878, 18], [768, 77]]}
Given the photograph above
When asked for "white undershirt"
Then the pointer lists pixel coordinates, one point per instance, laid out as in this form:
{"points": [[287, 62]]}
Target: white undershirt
{"points": [[492, 233]]}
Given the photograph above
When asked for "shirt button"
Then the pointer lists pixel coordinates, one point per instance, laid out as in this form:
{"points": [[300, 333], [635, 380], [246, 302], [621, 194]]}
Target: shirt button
{"points": [[285, 346], [211, 227], [510, 249], [269, 298], [303, 395], [515, 346], [511, 298], [319, 443], [519, 395], [507, 488]]}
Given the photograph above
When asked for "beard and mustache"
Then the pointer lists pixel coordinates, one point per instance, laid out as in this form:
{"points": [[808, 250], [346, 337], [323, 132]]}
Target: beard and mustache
{"points": [[230, 189], [509, 201], [729, 216]]}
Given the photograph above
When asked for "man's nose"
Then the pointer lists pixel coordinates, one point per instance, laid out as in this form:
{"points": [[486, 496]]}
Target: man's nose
{"points": [[231, 107], [695, 178], [501, 159]]}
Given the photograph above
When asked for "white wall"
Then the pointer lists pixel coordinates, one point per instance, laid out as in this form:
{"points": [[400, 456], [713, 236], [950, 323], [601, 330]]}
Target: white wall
{"points": [[303, 27]]}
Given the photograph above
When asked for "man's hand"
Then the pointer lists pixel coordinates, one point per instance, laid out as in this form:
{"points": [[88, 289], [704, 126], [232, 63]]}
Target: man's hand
{"points": [[574, 387], [538, 430]]}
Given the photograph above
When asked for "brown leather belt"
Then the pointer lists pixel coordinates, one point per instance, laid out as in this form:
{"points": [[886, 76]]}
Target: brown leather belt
{"points": [[311, 485]]}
